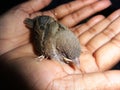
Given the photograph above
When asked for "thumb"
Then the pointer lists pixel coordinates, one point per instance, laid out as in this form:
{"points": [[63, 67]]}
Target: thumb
{"points": [[34, 5]]}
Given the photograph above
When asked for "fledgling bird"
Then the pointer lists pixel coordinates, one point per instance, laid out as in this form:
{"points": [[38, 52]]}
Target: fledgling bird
{"points": [[53, 40]]}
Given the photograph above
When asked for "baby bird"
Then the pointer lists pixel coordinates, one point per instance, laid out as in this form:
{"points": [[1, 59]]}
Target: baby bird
{"points": [[53, 40]]}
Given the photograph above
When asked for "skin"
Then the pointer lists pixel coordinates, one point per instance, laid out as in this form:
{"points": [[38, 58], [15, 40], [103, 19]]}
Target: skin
{"points": [[96, 60]]}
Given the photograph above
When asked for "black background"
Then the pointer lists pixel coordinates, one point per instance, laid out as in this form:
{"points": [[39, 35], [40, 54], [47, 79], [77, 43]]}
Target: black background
{"points": [[7, 4]]}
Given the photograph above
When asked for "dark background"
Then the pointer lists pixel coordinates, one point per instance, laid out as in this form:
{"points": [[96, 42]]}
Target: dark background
{"points": [[7, 4]]}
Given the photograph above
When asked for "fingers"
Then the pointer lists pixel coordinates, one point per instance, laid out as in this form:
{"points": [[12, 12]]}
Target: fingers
{"points": [[32, 6], [111, 31], [78, 30], [109, 80], [74, 18], [105, 46], [68, 8], [99, 42], [109, 54], [72, 13], [89, 34]]}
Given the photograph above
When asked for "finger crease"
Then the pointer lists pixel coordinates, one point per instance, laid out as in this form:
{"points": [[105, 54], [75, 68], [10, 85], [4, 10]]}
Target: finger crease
{"points": [[109, 33], [74, 17], [98, 67], [91, 48], [53, 12], [106, 77], [116, 41], [68, 7], [92, 31], [109, 19]]}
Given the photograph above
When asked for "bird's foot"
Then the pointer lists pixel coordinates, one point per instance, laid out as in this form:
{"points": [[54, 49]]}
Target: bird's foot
{"points": [[40, 58]]}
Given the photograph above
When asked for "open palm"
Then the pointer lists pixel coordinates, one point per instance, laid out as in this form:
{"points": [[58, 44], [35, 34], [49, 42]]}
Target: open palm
{"points": [[99, 39]]}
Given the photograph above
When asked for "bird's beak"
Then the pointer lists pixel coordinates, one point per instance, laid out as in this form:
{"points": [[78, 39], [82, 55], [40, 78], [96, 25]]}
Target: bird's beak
{"points": [[75, 62]]}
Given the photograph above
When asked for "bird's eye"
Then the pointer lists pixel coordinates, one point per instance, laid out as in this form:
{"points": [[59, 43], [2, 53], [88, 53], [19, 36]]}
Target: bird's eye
{"points": [[42, 27], [58, 29]]}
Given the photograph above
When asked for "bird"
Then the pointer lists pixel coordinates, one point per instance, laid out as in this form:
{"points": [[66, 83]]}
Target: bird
{"points": [[54, 40]]}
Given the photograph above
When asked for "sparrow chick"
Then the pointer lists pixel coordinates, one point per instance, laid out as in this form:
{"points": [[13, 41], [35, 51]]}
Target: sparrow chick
{"points": [[54, 40]]}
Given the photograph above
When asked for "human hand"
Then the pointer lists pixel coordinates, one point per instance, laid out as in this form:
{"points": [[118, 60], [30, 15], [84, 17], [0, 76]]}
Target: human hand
{"points": [[52, 75], [13, 32]]}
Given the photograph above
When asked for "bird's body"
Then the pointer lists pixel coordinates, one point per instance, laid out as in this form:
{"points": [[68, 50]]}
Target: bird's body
{"points": [[54, 40]]}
